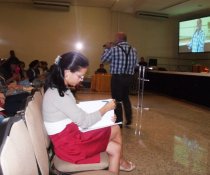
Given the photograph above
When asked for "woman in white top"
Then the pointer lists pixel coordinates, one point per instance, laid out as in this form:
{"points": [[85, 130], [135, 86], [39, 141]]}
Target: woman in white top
{"points": [[63, 118]]}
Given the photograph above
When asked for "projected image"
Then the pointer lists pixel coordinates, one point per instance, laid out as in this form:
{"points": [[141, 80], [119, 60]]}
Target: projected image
{"points": [[194, 35]]}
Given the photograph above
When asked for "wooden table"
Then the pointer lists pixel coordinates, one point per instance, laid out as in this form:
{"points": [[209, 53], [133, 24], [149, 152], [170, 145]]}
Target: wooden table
{"points": [[101, 82]]}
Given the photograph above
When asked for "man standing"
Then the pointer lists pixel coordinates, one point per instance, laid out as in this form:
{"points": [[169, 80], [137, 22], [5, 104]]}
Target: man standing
{"points": [[123, 59]]}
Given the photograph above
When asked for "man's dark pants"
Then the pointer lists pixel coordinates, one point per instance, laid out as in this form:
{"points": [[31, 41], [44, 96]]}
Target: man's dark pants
{"points": [[120, 85]]}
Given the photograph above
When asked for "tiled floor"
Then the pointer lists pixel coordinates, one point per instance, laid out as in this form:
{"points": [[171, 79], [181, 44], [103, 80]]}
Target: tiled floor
{"points": [[172, 137]]}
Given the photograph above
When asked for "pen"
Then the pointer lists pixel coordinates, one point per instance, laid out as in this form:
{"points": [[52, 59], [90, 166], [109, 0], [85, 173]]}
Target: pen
{"points": [[109, 101]]}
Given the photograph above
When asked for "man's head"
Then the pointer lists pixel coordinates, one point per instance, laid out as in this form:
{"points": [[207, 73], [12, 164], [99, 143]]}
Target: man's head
{"points": [[101, 65], [120, 37], [142, 59], [12, 53]]}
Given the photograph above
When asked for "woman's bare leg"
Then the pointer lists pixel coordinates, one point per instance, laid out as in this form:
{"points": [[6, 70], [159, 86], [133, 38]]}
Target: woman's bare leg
{"points": [[114, 149]]}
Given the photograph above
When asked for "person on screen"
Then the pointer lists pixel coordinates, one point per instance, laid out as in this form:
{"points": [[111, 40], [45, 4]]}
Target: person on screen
{"points": [[198, 39]]}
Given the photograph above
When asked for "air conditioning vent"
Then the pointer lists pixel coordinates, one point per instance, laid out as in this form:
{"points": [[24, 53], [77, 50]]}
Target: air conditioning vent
{"points": [[151, 15], [51, 4]]}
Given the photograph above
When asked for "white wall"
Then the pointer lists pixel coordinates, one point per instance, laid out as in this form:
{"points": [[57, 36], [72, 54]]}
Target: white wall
{"points": [[43, 34]]}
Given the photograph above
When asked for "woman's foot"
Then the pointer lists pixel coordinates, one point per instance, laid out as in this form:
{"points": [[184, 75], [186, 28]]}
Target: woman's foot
{"points": [[127, 166]]}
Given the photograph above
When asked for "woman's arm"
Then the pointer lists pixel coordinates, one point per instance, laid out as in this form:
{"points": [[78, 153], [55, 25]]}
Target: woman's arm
{"points": [[66, 107]]}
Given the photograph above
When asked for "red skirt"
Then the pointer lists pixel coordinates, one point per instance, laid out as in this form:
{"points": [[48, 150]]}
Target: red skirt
{"points": [[78, 147]]}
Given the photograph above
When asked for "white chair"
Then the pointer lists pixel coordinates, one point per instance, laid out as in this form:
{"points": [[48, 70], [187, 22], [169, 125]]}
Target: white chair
{"points": [[16, 152]]}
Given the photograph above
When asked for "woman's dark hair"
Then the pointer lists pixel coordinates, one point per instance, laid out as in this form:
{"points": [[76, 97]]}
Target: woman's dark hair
{"points": [[72, 61], [33, 64]]}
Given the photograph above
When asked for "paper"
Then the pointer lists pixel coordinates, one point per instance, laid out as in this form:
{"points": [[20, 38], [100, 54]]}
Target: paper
{"points": [[92, 106], [1, 109]]}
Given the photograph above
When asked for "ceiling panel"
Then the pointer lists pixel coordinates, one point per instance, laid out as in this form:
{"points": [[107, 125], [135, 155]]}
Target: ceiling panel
{"points": [[188, 7], [170, 7], [93, 3]]}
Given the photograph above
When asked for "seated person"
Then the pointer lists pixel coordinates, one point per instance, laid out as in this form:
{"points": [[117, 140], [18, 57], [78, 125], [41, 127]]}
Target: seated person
{"points": [[33, 71], [43, 69], [2, 102], [10, 71], [3, 85], [13, 57], [22, 70], [59, 107], [142, 62], [101, 70]]}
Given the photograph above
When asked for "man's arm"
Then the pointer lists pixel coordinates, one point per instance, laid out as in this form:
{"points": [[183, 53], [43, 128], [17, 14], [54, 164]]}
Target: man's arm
{"points": [[106, 57]]}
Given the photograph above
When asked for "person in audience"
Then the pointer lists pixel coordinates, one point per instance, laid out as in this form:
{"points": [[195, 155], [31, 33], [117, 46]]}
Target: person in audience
{"points": [[13, 75], [198, 39], [101, 70], [2, 102], [142, 62], [12, 59], [23, 73], [43, 68], [33, 71], [123, 59], [3, 85], [10, 69], [63, 118], [2, 61]]}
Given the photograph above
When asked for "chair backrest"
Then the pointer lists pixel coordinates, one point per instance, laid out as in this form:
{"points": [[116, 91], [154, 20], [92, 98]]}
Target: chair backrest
{"points": [[37, 107], [38, 96], [16, 151], [35, 129]]}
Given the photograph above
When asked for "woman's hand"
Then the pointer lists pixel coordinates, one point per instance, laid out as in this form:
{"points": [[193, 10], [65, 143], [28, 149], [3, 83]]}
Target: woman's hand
{"points": [[110, 105], [114, 118], [107, 107]]}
